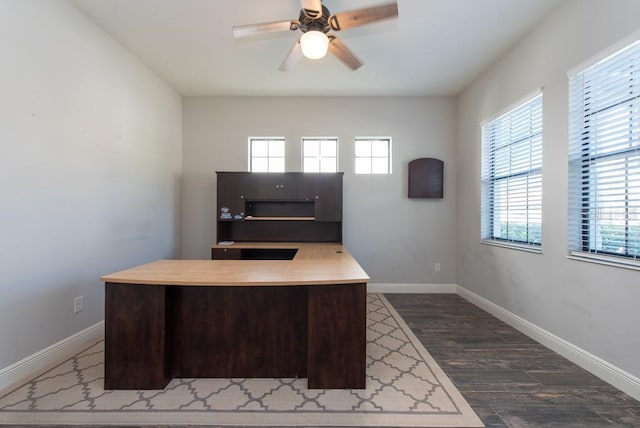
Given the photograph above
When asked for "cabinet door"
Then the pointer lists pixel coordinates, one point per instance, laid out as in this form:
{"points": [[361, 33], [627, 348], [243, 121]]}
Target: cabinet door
{"points": [[274, 186], [301, 186], [230, 192], [262, 186], [328, 197], [293, 186]]}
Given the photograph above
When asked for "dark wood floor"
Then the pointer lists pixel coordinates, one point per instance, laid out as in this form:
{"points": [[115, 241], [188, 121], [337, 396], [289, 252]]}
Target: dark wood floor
{"points": [[509, 379]]}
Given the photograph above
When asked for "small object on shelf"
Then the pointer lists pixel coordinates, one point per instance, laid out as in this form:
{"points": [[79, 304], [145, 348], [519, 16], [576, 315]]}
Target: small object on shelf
{"points": [[225, 214], [226, 243]]}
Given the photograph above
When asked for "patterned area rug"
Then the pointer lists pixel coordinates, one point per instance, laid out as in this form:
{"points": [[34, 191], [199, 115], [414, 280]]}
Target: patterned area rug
{"points": [[405, 387]]}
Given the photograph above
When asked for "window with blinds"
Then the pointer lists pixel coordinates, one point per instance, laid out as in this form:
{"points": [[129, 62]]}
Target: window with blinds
{"points": [[512, 177], [604, 159]]}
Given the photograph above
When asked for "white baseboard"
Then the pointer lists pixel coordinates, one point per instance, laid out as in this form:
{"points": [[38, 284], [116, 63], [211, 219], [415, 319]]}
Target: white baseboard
{"points": [[411, 288], [33, 365], [606, 371]]}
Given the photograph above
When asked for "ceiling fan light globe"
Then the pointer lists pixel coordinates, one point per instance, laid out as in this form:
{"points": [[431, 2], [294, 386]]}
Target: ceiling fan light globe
{"points": [[314, 44]]}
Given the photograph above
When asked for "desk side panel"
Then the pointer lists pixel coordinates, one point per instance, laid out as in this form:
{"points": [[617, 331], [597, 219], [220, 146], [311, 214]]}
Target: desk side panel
{"points": [[337, 336], [135, 340]]}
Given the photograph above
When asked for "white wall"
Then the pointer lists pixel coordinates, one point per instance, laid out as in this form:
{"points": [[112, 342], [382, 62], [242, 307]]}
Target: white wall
{"points": [[592, 306], [395, 239], [89, 170]]}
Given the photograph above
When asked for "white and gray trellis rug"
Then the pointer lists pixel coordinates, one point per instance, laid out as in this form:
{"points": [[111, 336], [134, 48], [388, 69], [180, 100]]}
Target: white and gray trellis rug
{"points": [[405, 388]]}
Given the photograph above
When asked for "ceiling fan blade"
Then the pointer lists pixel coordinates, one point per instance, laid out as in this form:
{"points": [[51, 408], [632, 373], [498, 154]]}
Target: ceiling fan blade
{"points": [[339, 49], [292, 58], [265, 27], [367, 15], [312, 8]]}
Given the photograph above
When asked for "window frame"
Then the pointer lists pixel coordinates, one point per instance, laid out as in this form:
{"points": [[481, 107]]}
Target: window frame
{"points": [[490, 178], [269, 140], [320, 157], [388, 158], [589, 149]]}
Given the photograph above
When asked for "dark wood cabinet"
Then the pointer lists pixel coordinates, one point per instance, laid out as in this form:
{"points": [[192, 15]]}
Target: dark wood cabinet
{"points": [[264, 186], [298, 207], [270, 186]]}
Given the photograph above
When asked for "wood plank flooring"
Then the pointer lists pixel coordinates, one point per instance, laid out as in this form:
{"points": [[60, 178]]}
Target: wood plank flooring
{"points": [[509, 379]]}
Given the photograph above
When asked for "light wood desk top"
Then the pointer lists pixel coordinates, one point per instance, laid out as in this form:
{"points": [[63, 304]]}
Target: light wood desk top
{"points": [[313, 264]]}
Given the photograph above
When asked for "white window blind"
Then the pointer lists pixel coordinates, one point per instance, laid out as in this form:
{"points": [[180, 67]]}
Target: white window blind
{"points": [[266, 154], [512, 176], [604, 159]]}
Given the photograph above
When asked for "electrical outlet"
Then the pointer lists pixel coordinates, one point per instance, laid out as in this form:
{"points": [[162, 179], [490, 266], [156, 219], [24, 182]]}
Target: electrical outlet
{"points": [[78, 304], [436, 267]]}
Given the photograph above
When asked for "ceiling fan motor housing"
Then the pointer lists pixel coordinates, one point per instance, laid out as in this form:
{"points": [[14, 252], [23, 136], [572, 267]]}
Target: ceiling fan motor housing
{"points": [[308, 22]]}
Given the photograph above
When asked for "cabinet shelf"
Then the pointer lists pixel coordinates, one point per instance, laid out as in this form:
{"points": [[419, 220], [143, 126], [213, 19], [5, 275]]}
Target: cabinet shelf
{"points": [[251, 218]]}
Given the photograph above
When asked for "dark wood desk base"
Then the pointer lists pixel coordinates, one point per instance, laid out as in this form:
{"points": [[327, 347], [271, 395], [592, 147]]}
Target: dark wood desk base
{"points": [[154, 333]]}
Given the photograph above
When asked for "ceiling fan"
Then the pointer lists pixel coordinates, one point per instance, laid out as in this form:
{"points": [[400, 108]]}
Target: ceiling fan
{"points": [[315, 21]]}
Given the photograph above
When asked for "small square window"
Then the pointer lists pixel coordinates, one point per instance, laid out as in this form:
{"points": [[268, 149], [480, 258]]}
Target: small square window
{"points": [[266, 154], [320, 154], [373, 155]]}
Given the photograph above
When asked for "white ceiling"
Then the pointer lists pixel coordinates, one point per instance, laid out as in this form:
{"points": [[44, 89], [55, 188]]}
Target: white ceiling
{"points": [[435, 47]]}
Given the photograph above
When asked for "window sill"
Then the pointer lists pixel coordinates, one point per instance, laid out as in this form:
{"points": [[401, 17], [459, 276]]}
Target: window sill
{"points": [[513, 246], [604, 260]]}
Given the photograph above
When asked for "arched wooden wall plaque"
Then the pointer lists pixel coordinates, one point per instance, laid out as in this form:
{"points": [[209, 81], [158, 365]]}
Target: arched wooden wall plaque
{"points": [[426, 178]]}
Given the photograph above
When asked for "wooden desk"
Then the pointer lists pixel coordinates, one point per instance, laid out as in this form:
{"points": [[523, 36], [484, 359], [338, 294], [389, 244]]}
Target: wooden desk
{"points": [[304, 317]]}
